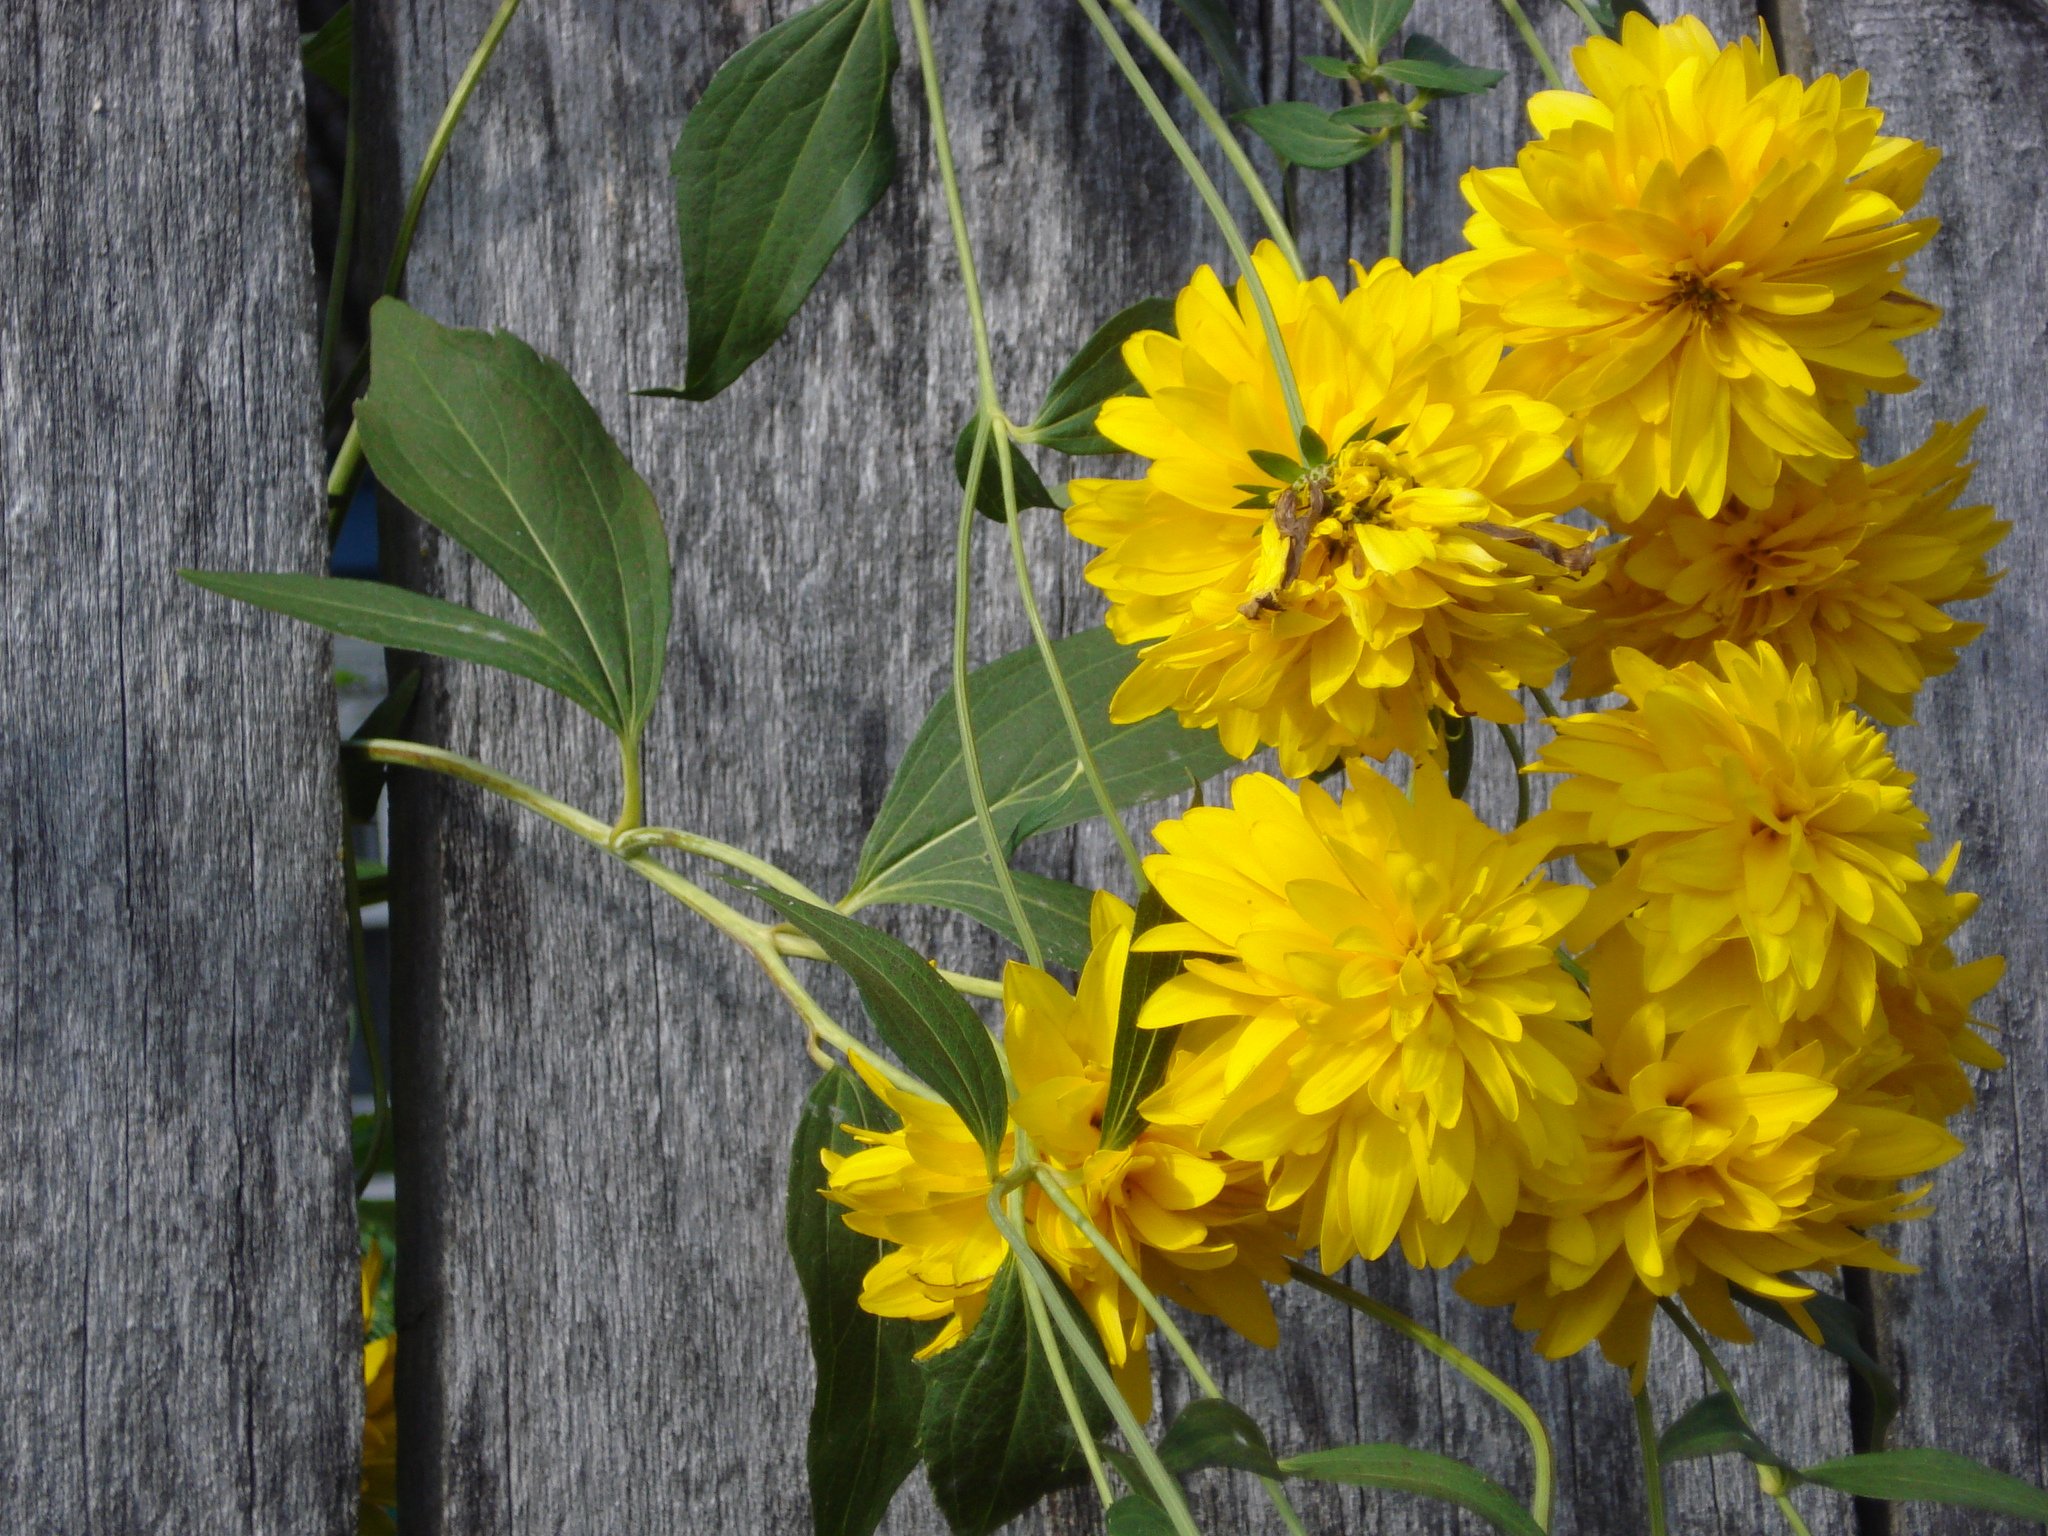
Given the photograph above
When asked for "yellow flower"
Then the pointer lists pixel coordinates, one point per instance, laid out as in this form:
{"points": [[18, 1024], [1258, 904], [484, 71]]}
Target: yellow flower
{"points": [[379, 1487], [1712, 1159], [1702, 262], [1194, 1225], [1328, 612], [1848, 577], [1770, 837], [1386, 1027]]}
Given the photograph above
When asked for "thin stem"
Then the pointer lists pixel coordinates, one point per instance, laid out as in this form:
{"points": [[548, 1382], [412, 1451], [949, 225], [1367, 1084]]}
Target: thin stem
{"points": [[630, 807], [1592, 24], [1090, 770], [1545, 703], [629, 843], [1168, 1491], [1542, 55], [758, 939], [1213, 200], [1513, 738], [1464, 1364], [1770, 1479], [1397, 193], [1055, 1357], [359, 976], [341, 486], [1161, 1319], [344, 243], [1205, 109], [1653, 1472]]}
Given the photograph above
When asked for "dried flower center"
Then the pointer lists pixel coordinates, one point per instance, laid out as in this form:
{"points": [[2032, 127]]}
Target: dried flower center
{"points": [[1317, 518], [1692, 291]]}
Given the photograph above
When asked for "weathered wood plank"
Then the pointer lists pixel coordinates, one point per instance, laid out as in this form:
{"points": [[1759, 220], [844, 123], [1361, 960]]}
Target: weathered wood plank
{"points": [[178, 1235], [1968, 1338], [595, 1094]]}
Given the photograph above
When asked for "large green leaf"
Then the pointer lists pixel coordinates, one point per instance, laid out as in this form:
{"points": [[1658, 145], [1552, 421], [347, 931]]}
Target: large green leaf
{"points": [[1307, 135], [494, 445], [1057, 909], [1841, 1335], [925, 1022], [791, 143], [410, 621], [1096, 373], [995, 1435], [863, 1436], [1931, 1477], [1214, 1432], [1714, 1426], [1424, 1472], [925, 831], [1138, 1057]]}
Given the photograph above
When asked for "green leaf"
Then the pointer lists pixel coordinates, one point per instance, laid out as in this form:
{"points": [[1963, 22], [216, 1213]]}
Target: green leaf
{"points": [[870, 1394], [1304, 134], [1138, 1057], [1212, 1432], [995, 1434], [1278, 465], [1133, 1516], [495, 445], [988, 494], [791, 143], [1458, 742], [925, 829], [363, 780], [1429, 66], [1329, 68], [1373, 115], [1841, 1335], [1376, 20], [1057, 909], [409, 621], [926, 1023], [1424, 1472], [1714, 1426], [1098, 372], [1931, 1477], [362, 1130], [328, 53], [1212, 23]]}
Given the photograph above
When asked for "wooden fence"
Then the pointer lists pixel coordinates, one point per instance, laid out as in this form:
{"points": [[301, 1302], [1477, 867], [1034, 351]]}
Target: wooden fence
{"points": [[600, 1329]]}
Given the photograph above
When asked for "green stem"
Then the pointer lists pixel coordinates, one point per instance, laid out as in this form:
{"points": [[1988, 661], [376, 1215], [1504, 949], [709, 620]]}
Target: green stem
{"points": [[1513, 738], [1090, 769], [628, 843], [1464, 1364], [1228, 142], [1397, 193], [1653, 1472], [758, 939], [630, 808], [1213, 200], [1161, 1319], [1770, 1479], [366, 1020], [1520, 18], [1545, 703], [1055, 1357], [1592, 24], [341, 486], [1084, 1349]]}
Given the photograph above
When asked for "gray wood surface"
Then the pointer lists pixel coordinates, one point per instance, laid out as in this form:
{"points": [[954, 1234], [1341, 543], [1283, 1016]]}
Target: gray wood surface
{"points": [[596, 1095], [179, 1244]]}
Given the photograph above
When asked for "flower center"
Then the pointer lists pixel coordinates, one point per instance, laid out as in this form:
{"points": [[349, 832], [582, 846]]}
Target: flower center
{"points": [[1315, 521], [1692, 291]]}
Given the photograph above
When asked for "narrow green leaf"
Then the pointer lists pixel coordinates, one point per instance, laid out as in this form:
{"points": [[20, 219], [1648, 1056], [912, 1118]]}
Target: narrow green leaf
{"points": [[1429, 66], [1714, 1426], [1278, 465], [995, 1434], [1057, 909], [1841, 1335], [495, 445], [1138, 1057], [870, 1393], [1373, 115], [363, 780], [1932, 1477], [1098, 372], [1304, 134], [1377, 20], [409, 621], [926, 825], [1212, 1432], [327, 54], [1330, 68], [1212, 23], [1424, 1472], [988, 493], [926, 1023], [1133, 1516], [791, 143]]}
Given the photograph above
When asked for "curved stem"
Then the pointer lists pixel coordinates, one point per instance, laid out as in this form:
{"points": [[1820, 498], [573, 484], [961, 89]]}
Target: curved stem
{"points": [[1161, 1319], [1592, 24], [1218, 209], [1545, 703], [1653, 1471], [1085, 753], [1770, 1479], [628, 843], [1055, 1358], [344, 243], [1397, 193], [1464, 1364], [630, 808], [1513, 738], [1233, 149], [1520, 18]]}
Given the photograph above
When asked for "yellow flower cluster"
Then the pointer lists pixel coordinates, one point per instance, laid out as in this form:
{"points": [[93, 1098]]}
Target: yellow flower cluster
{"points": [[377, 1493], [1193, 1224]]}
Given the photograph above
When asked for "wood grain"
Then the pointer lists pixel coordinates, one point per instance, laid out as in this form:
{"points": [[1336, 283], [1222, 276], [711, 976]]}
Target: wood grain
{"points": [[179, 1241], [595, 1095]]}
